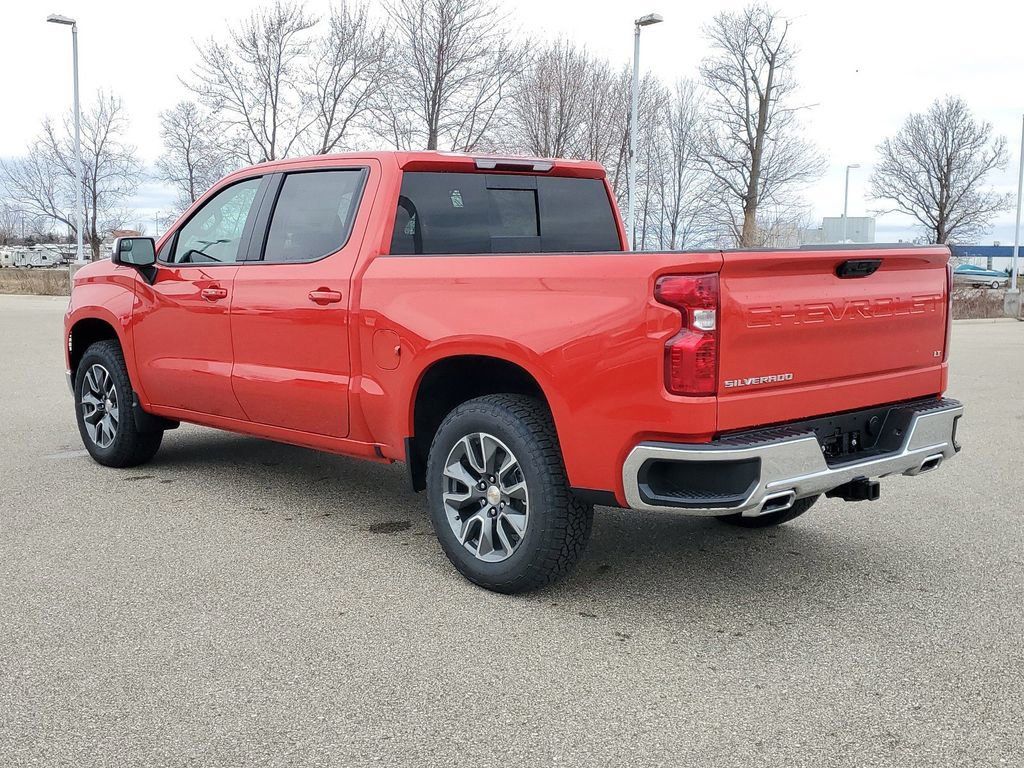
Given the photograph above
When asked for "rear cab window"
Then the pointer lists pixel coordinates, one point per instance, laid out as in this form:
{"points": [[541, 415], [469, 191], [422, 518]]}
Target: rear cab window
{"points": [[471, 213]]}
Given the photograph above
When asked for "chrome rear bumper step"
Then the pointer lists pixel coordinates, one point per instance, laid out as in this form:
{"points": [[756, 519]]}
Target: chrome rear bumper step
{"points": [[774, 468]]}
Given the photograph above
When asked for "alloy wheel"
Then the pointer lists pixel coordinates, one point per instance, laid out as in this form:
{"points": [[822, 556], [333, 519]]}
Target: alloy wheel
{"points": [[485, 497], [99, 405]]}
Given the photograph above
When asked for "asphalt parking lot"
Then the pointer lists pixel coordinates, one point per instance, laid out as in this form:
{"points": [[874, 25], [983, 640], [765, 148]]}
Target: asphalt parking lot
{"points": [[241, 603]]}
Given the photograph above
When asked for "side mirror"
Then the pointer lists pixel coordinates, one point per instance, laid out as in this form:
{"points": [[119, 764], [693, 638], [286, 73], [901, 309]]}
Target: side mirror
{"points": [[134, 251]]}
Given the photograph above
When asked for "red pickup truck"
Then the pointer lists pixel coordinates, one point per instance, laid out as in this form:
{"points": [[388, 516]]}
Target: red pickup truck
{"points": [[479, 319]]}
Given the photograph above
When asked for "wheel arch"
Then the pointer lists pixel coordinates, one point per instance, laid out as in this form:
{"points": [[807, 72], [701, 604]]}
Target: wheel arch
{"points": [[86, 331], [450, 381]]}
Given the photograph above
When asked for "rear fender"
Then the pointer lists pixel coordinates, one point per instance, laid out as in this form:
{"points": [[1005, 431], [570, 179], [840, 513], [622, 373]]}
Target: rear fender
{"points": [[498, 348]]}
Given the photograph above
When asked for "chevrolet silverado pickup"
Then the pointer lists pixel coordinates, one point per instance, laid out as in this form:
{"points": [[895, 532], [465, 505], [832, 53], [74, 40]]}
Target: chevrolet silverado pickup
{"points": [[481, 319]]}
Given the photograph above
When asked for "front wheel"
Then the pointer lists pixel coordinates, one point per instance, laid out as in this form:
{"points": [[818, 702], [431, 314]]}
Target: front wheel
{"points": [[995, 284], [103, 405], [499, 499]]}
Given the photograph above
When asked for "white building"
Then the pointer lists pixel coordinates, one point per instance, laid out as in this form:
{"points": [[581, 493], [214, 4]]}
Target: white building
{"points": [[859, 229]]}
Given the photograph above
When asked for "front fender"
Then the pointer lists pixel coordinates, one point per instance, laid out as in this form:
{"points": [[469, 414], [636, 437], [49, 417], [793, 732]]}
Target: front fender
{"points": [[111, 303]]}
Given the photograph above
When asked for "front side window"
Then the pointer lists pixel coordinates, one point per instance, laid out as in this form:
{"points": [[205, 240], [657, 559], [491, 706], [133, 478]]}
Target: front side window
{"points": [[465, 213], [214, 233], [313, 215]]}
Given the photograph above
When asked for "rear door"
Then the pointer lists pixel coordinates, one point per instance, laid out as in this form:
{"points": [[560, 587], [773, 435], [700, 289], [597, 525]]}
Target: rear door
{"points": [[180, 322], [805, 333], [291, 300]]}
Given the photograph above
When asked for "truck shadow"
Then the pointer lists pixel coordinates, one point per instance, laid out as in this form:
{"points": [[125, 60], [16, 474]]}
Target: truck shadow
{"points": [[665, 561]]}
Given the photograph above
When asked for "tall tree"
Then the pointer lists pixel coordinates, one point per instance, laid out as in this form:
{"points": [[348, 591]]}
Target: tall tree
{"points": [[252, 81], [193, 158], [9, 220], [42, 183], [934, 169], [751, 144], [604, 133], [548, 102], [649, 102], [349, 71], [454, 63], [678, 182]]}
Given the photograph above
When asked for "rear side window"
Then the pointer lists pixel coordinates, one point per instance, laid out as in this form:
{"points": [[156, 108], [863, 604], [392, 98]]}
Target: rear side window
{"points": [[313, 215], [461, 213]]}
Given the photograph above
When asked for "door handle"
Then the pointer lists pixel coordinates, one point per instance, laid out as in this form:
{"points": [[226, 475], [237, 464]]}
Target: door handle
{"points": [[214, 294], [323, 296]]}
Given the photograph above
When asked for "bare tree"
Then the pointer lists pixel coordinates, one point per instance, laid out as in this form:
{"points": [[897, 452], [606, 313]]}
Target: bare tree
{"points": [[348, 73], [193, 158], [751, 144], [9, 220], [650, 101], [42, 184], [678, 183], [604, 135], [455, 61], [548, 103], [934, 169], [252, 81], [567, 103], [37, 188], [651, 157]]}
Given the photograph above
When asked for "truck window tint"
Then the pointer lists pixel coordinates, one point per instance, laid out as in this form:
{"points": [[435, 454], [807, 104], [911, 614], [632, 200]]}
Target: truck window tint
{"points": [[313, 215], [458, 213], [213, 234], [576, 215], [443, 213], [515, 213]]}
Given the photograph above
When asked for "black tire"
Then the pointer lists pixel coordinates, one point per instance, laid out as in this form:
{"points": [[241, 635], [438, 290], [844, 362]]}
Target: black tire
{"points": [[994, 284], [129, 446], [558, 524], [772, 518]]}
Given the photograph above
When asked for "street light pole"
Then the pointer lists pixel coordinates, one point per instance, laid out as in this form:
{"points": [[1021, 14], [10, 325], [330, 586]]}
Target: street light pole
{"points": [[64, 20], [846, 196], [1016, 232], [643, 21]]}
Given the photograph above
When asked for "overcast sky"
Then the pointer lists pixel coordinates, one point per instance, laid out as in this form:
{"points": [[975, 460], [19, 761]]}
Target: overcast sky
{"points": [[864, 66]]}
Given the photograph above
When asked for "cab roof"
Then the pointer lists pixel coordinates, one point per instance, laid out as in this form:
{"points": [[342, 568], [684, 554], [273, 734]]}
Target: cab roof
{"points": [[446, 161]]}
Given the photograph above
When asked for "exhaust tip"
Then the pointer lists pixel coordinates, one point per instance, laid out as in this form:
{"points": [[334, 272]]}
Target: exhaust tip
{"points": [[932, 462], [778, 502]]}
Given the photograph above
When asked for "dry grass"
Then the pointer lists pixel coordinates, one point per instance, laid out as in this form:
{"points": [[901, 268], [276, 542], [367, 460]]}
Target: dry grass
{"points": [[973, 303]]}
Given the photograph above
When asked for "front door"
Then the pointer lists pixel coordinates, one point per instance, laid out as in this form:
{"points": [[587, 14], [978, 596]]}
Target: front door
{"points": [[181, 322], [290, 303]]}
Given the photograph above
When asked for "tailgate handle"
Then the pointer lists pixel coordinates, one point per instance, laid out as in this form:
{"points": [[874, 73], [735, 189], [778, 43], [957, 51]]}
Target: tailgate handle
{"points": [[858, 268]]}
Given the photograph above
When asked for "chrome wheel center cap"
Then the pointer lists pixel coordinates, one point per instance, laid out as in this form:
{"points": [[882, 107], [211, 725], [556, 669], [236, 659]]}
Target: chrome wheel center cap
{"points": [[493, 495]]}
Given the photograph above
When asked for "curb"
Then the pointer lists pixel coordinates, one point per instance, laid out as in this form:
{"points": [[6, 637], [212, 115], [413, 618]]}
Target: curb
{"points": [[980, 320]]}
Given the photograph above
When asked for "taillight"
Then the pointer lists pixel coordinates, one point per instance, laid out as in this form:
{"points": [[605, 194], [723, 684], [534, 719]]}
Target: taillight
{"points": [[691, 356]]}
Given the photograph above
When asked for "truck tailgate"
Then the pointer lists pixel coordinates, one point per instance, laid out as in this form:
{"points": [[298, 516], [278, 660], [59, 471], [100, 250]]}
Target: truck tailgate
{"points": [[798, 340]]}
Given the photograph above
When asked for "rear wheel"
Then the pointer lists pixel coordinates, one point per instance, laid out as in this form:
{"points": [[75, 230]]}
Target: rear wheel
{"points": [[499, 499], [772, 518], [103, 405]]}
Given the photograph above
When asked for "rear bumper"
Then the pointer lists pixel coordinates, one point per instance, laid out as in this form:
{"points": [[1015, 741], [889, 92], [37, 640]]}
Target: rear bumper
{"points": [[768, 469]]}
